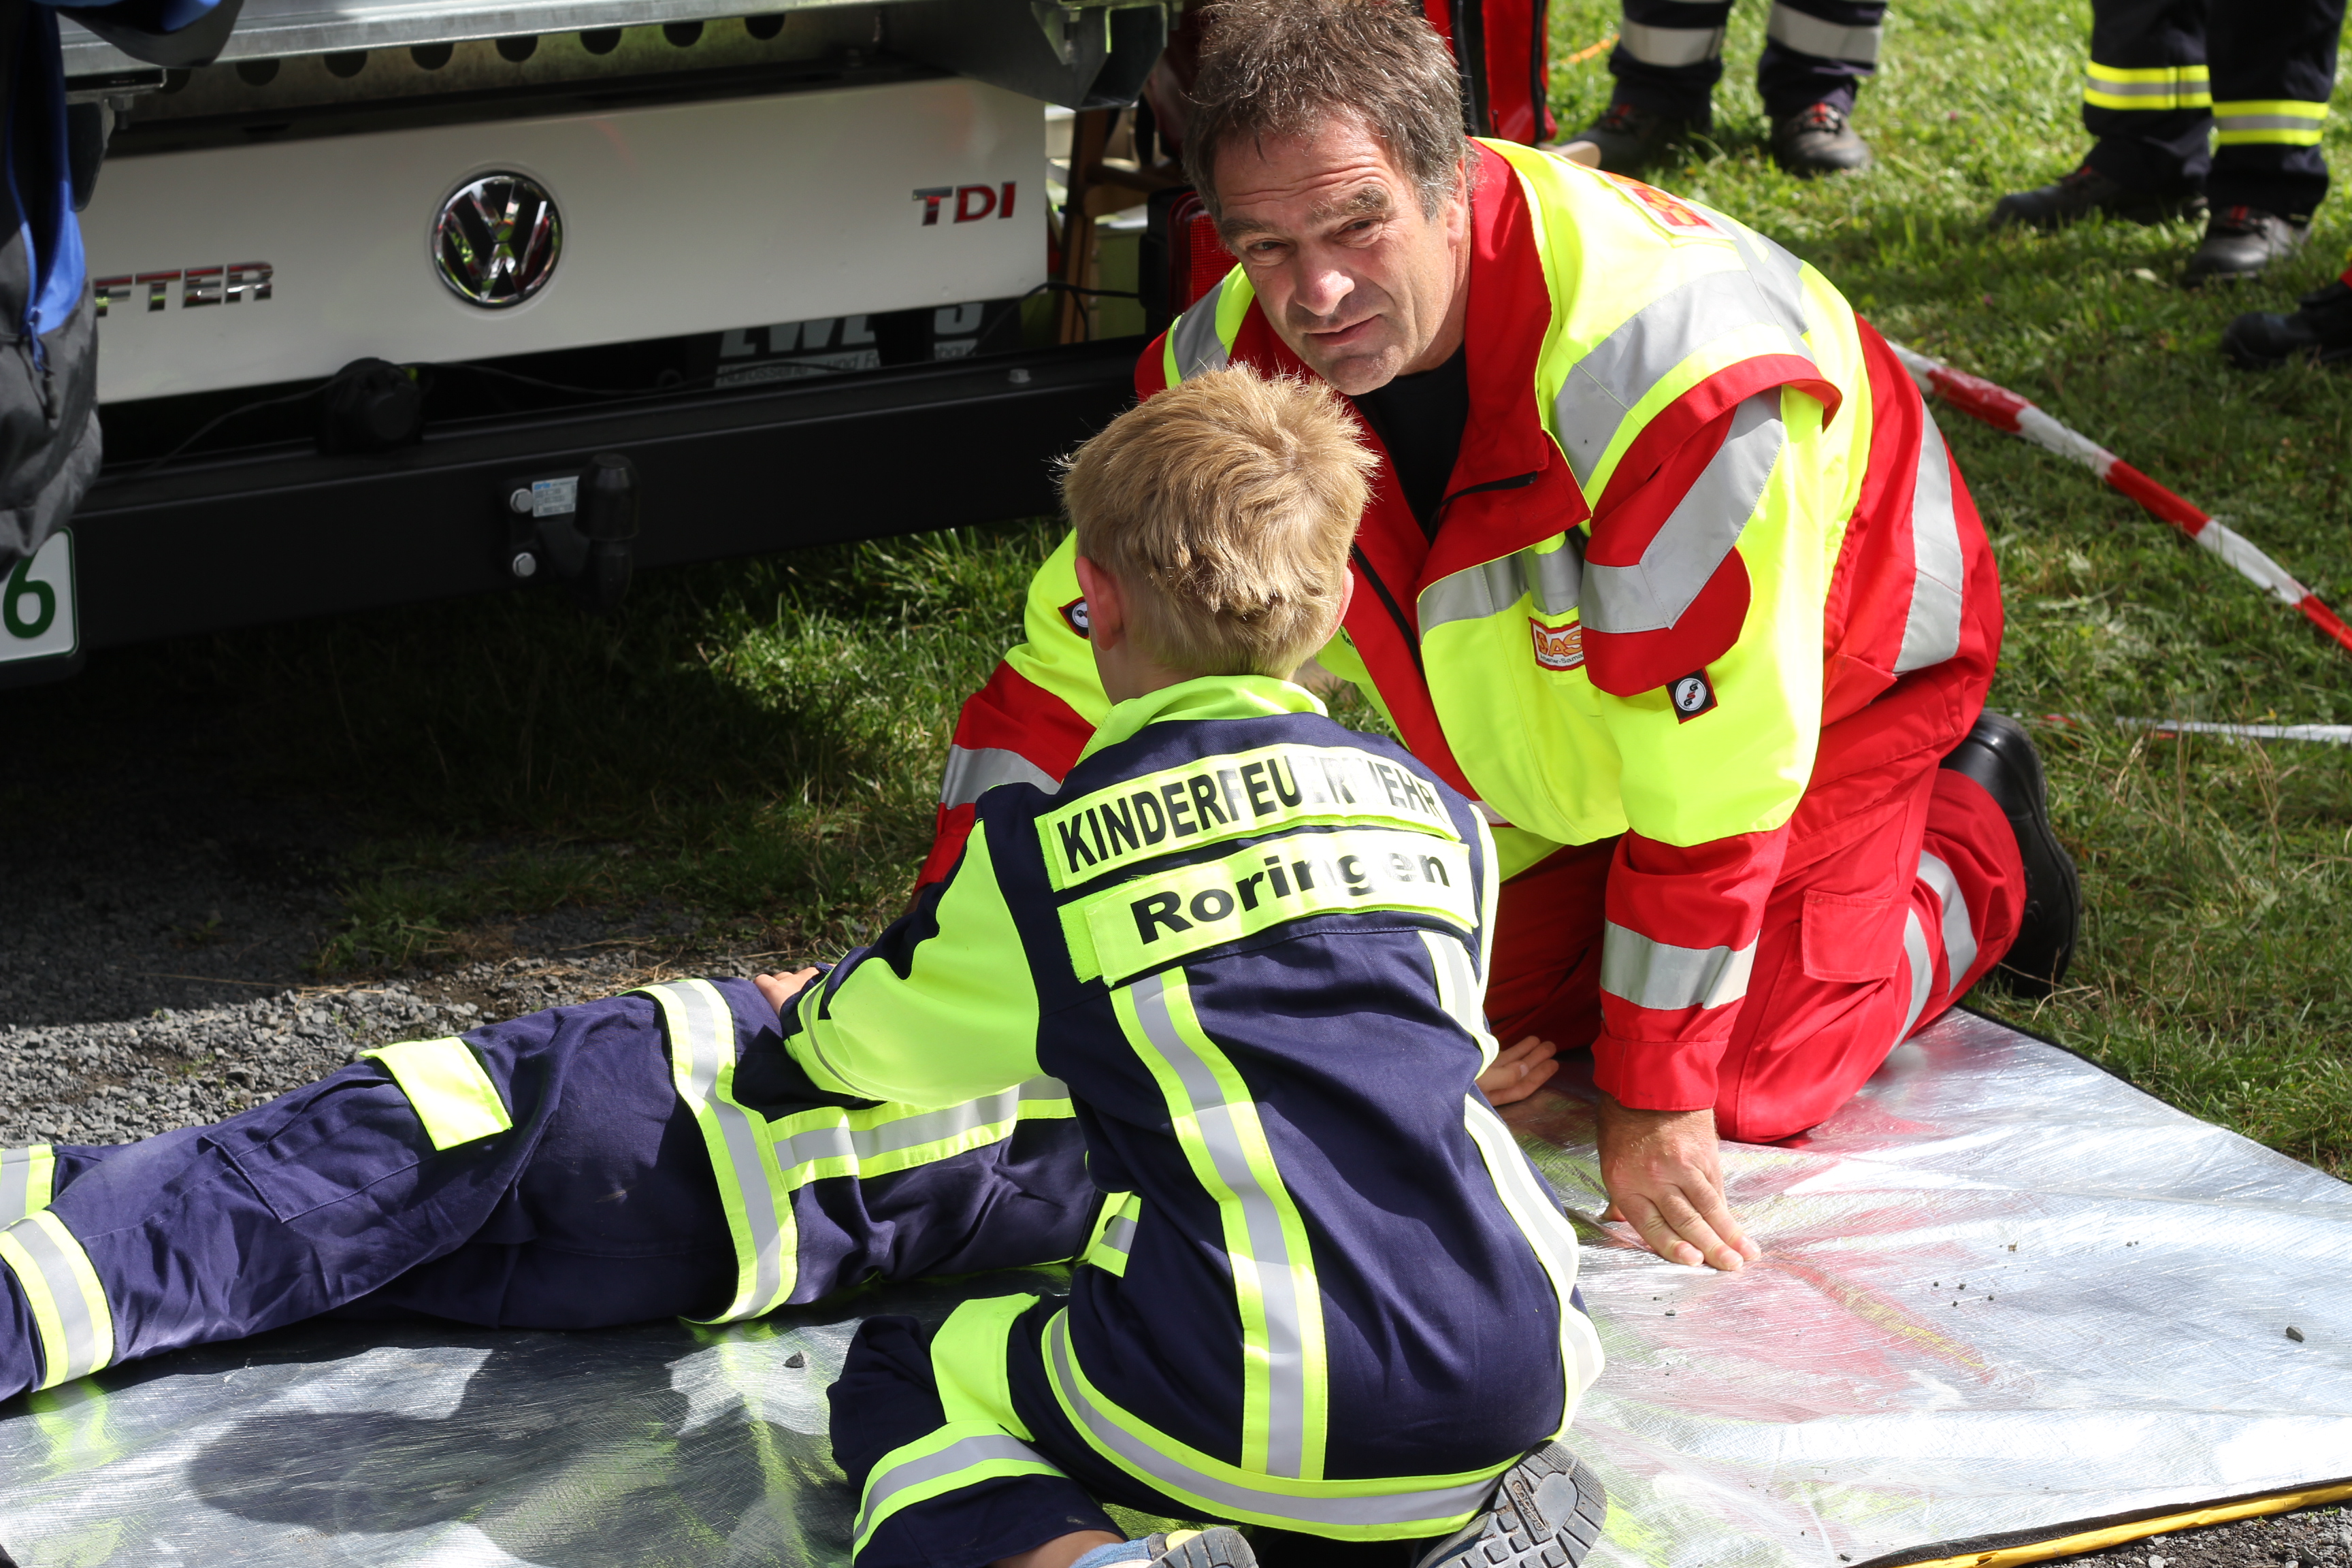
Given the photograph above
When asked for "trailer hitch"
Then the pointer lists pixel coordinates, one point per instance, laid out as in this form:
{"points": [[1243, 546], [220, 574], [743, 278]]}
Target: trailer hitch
{"points": [[579, 526]]}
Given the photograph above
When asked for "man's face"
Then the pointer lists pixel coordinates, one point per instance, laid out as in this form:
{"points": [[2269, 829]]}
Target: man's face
{"points": [[1354, 279]]}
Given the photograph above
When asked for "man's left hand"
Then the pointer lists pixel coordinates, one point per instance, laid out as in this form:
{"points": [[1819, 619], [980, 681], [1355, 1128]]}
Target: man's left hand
{"points": [[1664, 1179]]}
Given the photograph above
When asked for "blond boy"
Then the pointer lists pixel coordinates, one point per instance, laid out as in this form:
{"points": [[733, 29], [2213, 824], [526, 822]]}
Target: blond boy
{"points": [[1327, 1294]]}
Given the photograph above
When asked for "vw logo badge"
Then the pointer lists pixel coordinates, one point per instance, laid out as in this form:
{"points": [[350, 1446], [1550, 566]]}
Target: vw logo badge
{"points": [[496, 240]]}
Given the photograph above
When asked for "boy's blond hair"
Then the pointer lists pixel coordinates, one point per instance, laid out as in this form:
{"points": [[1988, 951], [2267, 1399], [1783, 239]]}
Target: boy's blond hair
{"points": [[1226, 505]]}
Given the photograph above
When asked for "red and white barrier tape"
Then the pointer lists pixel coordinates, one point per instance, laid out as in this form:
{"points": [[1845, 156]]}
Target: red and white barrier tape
{"points": [[2004, 410], [2168, 729]]}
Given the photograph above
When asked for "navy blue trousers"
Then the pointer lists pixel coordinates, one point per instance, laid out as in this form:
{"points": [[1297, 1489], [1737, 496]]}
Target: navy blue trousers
{"points": [[1669, 54], [2258, 51], [598, 1208]]}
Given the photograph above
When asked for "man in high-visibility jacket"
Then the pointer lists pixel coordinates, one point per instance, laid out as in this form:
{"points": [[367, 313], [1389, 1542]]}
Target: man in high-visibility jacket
{"points": [[1667, 567]]}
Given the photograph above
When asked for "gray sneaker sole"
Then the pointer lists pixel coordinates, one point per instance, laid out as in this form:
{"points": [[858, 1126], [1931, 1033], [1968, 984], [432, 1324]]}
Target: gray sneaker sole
{"points": [[1546, 1514], [1222, 1547]]}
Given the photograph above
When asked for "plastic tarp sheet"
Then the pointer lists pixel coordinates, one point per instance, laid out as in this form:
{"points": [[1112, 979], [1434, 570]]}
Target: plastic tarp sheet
{"points": [[2002, 1293]]}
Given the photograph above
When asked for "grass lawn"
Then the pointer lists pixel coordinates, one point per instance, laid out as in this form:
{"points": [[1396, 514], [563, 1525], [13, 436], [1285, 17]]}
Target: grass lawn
{"points": [[759, 742]]}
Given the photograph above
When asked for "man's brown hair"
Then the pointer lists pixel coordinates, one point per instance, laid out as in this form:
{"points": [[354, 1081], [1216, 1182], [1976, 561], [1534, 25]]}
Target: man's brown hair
{"points": [[1225, 506], [1274, 68]]}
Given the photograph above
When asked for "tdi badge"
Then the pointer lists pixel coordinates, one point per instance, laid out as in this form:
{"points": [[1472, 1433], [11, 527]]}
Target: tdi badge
{"points": [[1693, 695]]}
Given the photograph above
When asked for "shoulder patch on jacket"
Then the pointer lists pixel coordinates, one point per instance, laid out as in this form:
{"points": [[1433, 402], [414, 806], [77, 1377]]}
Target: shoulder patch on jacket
{"points": [[1672, 215]]}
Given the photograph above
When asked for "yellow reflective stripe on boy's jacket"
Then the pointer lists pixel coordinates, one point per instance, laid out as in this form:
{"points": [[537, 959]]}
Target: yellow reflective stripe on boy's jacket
{"points": [[1114, 1236], [877, 1140], [27, 1181], [701, 1028], [69, 1311], [1550, 1234], [1286, 1386], [961, 1025], [1391, 1507], [446, 1088]]}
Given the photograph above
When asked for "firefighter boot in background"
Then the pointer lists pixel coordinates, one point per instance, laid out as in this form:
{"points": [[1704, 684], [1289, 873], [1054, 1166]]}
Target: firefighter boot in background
{"points": [[2194, 112], [2319, 329], [1669, 55]]}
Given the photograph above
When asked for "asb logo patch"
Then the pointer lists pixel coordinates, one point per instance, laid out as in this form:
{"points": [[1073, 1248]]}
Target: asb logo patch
{"points": [[1558, 647], [1675, 216], [1074, 615], [1693, 695]]}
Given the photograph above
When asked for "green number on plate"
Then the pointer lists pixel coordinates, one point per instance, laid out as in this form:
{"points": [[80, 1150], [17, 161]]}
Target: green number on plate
{"points": [[20, 588]]}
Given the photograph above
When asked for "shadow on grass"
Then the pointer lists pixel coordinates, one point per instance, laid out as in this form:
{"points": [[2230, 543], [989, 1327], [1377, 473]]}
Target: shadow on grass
{"points": [[756, 741]]}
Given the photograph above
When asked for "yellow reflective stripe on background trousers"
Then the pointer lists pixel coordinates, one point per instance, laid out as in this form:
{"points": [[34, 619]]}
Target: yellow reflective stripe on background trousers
{"points": [[69, 1309], [2147, 86], [27, 1181], [2277, 121], [701, 1027], [444, 1080], [1285, 1382]]}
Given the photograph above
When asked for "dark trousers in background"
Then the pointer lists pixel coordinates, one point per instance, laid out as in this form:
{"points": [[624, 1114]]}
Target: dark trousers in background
{"points": [[2251, 77], [1669, 54]]}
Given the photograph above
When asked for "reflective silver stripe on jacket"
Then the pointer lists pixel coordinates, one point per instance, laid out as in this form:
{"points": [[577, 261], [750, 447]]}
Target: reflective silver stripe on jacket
{"points": [[1670, 45], [961, 1454], [1960, 940], [1660, 975], [1193, 339], [1697, 534], [1931, 630], [1779, 276], [1829, 40], [1167, 1472], [1923, 971], [1119, 1235], [974, 771], [85, 1344], [1457, 984], [1646, 348], [860, 1144], [1286, 1346], [705, 1034], [1554, 578]]}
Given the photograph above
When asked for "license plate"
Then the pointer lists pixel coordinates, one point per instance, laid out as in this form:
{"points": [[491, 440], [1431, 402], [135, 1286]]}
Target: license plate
{"points": [[37, 605]]}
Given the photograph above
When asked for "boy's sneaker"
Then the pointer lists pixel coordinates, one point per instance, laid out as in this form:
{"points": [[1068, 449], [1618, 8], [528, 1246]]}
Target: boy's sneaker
{"points": [[1222, 1547], [1546, 1514], [2000, 755], [2071, 198], [2239, 242], [2320, 331]]}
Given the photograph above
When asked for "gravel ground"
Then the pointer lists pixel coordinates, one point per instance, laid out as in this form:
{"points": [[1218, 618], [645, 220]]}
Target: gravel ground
{"points": [[2315, 1538], [114, 1082]]}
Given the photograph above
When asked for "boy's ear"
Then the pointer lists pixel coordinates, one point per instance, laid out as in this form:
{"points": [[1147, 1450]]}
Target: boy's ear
{"points": [[1106, 603]]}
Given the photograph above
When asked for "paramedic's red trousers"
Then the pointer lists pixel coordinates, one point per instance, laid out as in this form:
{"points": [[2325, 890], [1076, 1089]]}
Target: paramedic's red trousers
{"points": [[1901, 886]]}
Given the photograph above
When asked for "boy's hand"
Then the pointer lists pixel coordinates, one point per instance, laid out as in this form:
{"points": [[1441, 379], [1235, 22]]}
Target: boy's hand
{"points": [[780, 989], [1519, 1071], [1666, 1180]]}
